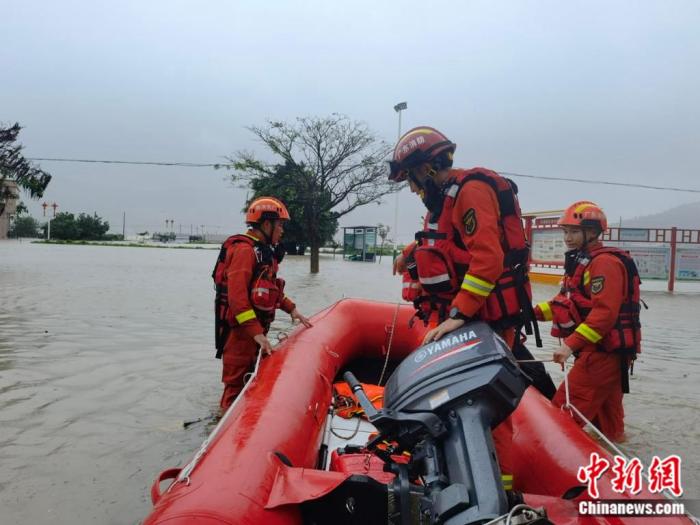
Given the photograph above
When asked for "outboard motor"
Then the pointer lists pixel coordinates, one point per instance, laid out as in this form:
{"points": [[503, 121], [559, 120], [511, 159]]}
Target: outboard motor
{"points": [[441, 404]]}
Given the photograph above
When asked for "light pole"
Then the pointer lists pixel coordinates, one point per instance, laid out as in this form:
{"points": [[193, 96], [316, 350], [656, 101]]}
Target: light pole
{"points": [[398, 108], [48, 226]]}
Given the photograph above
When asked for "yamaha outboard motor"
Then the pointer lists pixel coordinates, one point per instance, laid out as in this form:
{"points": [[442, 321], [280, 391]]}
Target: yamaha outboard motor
{"points": [[441, 404]]}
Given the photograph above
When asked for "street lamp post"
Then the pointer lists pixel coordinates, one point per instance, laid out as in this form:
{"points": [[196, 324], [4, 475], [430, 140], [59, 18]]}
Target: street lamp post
{"points": [[398, 108], [48, 225]]}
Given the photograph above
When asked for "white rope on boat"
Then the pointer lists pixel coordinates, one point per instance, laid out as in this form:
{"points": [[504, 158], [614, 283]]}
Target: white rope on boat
{"points": [[571, 407], [391, 339], [184, 476], [529, 512]]}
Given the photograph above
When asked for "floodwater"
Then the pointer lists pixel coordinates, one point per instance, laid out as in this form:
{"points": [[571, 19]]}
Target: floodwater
{"points": [[105, 352]]}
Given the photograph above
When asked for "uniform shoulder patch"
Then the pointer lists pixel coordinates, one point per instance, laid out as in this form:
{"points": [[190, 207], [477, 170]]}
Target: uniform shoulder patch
{"points": [[469, 220], [597, 284]]}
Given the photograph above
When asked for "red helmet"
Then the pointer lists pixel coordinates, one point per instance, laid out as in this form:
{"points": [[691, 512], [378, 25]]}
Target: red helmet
{"points": [[584, 214], [264, 208], [419, 145]]}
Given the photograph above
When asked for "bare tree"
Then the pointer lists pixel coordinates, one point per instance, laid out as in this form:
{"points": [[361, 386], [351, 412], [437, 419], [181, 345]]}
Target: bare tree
{"points": [[340, 166]]}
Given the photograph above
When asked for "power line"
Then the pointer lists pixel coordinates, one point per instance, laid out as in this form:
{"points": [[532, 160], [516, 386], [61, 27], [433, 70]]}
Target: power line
{"points": [[138, 163], [608, 183], [509, 174]]}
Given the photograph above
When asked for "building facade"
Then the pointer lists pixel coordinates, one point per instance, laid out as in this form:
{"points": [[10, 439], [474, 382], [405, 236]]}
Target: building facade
{"points": [[7, 206]]}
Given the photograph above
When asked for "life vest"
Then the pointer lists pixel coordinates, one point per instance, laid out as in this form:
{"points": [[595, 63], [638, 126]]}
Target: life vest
{"points": [[625, 337], [442, 259], [265, 290], [346, 402], [411, 288]]}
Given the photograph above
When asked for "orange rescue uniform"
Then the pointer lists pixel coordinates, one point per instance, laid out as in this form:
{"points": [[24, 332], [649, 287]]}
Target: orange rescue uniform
{"points": [[595, 380], [240, 348]]}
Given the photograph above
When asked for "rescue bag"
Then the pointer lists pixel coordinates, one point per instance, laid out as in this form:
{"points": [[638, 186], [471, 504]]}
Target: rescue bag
{"points": [[347, 405]]}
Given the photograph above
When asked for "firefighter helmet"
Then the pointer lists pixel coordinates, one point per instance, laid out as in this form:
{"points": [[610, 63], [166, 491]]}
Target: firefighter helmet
{"points": [[416, 146], [264, 208], [584, 214]]}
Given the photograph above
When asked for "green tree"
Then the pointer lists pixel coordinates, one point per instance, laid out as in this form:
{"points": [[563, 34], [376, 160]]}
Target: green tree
{"points": [[15, 167], [91, 227], [283, 184], [338, 166], [24, 226], [64, 227], [86, 227]]}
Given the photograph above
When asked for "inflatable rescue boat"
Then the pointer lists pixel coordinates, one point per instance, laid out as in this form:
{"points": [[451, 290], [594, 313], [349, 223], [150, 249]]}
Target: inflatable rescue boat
{"points": [[282, 454]]}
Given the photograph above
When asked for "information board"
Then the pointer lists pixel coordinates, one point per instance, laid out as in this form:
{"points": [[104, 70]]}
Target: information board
{"points": [[652, 262], [688, 264], [548, 245]]}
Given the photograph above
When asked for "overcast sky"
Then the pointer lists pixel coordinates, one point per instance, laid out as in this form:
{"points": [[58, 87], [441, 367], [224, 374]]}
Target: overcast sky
{"points": [[606, 90]]}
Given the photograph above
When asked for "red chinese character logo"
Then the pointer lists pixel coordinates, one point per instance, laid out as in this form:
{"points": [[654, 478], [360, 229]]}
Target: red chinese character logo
{"points": [[592, 472], [665, 474], [627, 475]]}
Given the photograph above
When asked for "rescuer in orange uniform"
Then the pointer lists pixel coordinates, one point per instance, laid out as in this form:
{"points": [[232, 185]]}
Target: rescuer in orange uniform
{"points": [[249, 292], [596, 316], [470, 260]]}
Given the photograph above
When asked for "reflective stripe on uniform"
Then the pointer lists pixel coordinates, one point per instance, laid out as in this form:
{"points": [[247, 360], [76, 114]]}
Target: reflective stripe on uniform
{"points": [[586, 278], [261, 290], [245, 316], [434, 280], [546, 311], [477, 286], [452, 192], [507, 480], [411, 285], [588, 332]]}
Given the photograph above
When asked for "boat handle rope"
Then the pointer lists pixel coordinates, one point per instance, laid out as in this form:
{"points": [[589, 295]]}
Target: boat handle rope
{"points": [[186, 472], [391, 339]]}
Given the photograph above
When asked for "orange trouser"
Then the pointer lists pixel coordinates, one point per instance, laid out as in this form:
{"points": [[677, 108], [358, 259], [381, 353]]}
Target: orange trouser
{"points": [[595, 389], [238, 359]]}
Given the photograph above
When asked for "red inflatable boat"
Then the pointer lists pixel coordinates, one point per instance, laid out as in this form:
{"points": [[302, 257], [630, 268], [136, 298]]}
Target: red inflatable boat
{"points": [[281, 456]]}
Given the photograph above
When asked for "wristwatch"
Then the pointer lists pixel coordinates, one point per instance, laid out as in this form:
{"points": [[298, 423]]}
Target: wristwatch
{"points": [[456, 314]]}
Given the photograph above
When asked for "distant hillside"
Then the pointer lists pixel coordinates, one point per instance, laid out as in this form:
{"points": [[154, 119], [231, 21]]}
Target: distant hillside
{"points": [[684, 216]]}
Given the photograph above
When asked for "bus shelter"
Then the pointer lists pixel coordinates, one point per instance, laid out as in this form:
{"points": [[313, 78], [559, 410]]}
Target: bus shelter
{"points": [[360, 243]]}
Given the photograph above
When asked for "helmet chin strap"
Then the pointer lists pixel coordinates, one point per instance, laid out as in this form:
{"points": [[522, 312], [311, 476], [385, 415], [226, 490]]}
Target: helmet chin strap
{"points": [[586, 240], [266, 237]]}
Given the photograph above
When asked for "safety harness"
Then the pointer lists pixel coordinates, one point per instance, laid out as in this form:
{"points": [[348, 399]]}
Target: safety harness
{"points": [[266, 290], [572, 305], [438, 263]]}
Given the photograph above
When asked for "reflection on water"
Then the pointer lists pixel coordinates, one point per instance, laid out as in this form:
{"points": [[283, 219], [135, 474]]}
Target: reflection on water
{"points": [[104, 352]]}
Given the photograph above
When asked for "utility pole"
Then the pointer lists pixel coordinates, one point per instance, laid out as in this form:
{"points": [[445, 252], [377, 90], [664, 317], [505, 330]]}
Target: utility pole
{"points": [[398, 108], [123, 226], [48, 225]]}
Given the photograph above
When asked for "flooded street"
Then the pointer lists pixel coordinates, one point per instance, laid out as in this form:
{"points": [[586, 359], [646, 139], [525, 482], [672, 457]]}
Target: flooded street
{"points": [[104, 352]]}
